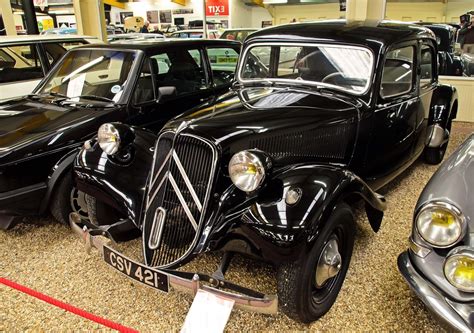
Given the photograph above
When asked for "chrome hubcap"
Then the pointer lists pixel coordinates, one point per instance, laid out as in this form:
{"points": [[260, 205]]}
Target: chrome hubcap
{"points": [[329, 263], [78, 203]]}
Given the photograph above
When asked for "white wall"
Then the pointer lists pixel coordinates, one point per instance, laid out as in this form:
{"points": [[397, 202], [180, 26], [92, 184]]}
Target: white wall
{"points": [[240, 14], [259, 14]]}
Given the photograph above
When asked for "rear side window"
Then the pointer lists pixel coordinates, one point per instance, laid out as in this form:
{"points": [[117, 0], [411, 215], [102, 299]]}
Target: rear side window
{"points": [[397, 77], [223, 64], [181, 68], [427, 64], [19, 63]]}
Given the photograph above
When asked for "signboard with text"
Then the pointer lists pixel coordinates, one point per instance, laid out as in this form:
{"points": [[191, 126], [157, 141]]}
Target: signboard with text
{"points": [[217, 8]]}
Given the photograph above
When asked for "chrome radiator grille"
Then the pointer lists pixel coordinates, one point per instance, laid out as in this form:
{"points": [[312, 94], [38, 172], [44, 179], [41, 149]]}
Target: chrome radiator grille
{"points": [[178, 191]]}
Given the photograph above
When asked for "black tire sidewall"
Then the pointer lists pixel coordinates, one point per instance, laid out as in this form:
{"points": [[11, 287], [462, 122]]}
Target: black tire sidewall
{"points": [[342, 218], [60, 205]]}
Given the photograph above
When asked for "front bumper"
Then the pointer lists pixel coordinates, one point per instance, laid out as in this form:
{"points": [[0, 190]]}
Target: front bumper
{"points": [[456, 316], [243, 298]]}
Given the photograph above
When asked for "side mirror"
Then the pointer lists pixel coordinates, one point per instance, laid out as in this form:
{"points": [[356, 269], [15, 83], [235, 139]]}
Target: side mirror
{"points": [[165, 93]]}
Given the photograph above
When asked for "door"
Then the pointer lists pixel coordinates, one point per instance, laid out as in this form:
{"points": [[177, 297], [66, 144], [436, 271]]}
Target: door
{"points": [[427, 83], [182, 68], [395, 115]]}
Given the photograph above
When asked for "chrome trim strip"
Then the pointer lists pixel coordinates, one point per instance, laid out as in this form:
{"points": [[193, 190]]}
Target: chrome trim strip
{"points": [[182, 201], [148, 204], [187, 181], [161, 167], [154, 226], [312, 83]]}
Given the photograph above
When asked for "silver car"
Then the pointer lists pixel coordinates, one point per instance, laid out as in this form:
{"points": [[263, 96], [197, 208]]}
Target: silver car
{"points": [[439, 264]]}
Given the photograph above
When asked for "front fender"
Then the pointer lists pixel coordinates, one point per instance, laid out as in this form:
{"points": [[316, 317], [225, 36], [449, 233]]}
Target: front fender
{"points": [[280, 231], [60, 168], [120, 185], [322, 186]]}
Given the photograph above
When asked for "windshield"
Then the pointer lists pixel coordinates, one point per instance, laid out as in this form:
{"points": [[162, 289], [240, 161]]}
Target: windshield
{"points": [[97, 73], [341, 67]]}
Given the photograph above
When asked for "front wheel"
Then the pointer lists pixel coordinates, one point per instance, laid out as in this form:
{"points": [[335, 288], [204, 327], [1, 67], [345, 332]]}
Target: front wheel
{"points": [[308, 288], [67, 199]]}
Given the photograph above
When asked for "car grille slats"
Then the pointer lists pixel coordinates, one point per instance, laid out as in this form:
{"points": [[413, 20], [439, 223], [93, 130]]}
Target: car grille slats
{"points": [[179, 185]]}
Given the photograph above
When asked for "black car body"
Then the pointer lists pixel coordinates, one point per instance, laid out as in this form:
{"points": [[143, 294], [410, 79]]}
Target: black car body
{"points": [[446, 35], [320, 114], [439, 264], [40, 133]]}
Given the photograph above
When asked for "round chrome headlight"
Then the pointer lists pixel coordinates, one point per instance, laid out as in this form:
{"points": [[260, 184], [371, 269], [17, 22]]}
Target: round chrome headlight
{"points": [[246, 171], [440, 224], [459, 268], [108, 138]]}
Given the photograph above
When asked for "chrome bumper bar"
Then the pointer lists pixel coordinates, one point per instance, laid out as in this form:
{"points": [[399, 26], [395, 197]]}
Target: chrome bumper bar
{"points": [[190, 283], [455, 316]]}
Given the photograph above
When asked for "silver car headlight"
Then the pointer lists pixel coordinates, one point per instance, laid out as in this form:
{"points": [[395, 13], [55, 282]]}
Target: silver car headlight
{"points": [[246, 170], [459, 268], [440, 224], [109, 138]]}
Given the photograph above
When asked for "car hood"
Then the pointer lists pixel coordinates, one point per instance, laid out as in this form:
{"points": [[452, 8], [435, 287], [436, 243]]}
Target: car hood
{"points": [[284, 123], [29, 127]]}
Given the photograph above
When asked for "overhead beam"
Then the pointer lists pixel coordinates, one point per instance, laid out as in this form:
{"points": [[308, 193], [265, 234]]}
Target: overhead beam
{"points": [[114, 3], [7, 16], [180, 2]]}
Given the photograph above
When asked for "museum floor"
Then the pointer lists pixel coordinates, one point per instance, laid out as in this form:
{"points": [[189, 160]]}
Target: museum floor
{"points": [[47, 257]]}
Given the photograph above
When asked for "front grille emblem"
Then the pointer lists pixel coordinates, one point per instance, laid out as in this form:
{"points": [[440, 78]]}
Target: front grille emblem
{"points": [[157, 228]]}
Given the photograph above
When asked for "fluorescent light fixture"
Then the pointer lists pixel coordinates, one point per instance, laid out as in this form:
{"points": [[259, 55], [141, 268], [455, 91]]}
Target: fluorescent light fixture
{"points": [[274, 2]]}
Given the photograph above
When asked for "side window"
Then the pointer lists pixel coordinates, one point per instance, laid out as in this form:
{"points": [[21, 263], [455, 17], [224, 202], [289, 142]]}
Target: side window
{"points": [[54, 51], [181, 68], [427, 62], [397, 76], [223, 63], [19, 63], [144, 89]]}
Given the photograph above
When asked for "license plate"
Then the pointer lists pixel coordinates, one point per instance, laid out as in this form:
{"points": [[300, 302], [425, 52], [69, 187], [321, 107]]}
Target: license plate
{"points": [[135, 271], [226, 60]]}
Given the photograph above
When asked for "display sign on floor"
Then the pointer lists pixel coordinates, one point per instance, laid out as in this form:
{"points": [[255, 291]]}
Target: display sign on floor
{"points": [[208, 313]]}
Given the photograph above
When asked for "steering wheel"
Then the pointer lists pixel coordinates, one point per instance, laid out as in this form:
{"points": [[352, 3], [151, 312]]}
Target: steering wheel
{"points": [[331, 76]]}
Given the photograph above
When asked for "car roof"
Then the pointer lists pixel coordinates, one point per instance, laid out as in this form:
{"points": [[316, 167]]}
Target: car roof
{"points": [[385, 32], [242, 29], [194, 30], [150, 45], [39, 38]]}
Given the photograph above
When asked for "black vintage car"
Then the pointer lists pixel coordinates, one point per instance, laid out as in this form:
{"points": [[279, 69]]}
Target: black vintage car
{"points": [[40, 133], [321, 114], [449, 63]]}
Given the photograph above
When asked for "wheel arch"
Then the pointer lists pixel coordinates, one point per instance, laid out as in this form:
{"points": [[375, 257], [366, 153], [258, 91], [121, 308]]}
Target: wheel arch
{"points": [[64, 165]]}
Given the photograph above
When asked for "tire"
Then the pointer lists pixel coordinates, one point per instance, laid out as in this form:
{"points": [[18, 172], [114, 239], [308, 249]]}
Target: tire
{"points": [[435, 155], [67, 199], [299, 295], [99, 212]]}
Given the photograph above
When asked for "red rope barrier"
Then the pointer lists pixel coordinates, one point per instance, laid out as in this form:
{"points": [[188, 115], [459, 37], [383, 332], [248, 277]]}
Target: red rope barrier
{"points": [[67, 307]]}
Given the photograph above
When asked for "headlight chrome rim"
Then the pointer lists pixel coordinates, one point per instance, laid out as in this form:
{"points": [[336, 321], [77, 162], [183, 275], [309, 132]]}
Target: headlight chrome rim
{"points": [[249, 157], [451, 208], [105, 134], [453, 257]]}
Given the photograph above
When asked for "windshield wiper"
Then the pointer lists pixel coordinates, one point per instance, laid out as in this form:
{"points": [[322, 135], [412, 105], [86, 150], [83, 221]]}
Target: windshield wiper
{"points": [[55, 94], [95, 98]]}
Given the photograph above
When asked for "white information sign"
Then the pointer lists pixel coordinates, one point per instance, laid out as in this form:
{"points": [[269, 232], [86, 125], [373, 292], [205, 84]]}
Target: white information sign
{"points": [[208, 313]]}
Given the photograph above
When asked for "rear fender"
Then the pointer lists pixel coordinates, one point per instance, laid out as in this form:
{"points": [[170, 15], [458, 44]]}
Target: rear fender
{"points": [[444, 107], [119, 184]]}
